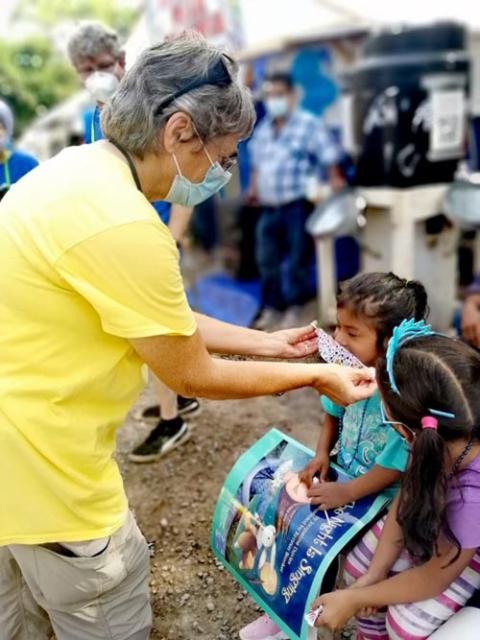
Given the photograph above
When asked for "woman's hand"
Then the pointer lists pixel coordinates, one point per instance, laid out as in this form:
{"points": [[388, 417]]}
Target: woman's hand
{"points": [[337, 608], [318, 466], [345, 385], [293, 343]]}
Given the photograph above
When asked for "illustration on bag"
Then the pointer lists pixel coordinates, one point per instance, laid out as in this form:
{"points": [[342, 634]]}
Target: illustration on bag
{"points": [[282, 549]]}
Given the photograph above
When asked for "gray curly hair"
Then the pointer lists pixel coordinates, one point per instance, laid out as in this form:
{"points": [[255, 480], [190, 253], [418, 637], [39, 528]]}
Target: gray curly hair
{"points": [[90, 39], [131, 119]]}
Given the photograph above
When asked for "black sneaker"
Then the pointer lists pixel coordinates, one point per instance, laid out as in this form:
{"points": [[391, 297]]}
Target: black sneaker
{"points": [[167, 435], [186, 406], [149, 414]]}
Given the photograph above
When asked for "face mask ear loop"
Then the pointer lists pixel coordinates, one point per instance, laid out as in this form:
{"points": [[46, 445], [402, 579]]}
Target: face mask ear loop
{"points": [[203, 144], [208, 155], [177, 166]]}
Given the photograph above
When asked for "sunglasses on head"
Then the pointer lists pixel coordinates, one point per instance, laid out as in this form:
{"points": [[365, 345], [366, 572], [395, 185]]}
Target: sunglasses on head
{"points": [[217, 75]]}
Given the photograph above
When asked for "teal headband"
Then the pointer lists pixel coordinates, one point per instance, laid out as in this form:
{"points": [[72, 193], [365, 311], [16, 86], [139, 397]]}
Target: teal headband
{"points": [[408, 330]]}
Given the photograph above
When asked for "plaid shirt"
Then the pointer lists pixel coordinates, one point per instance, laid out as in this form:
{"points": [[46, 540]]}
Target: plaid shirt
{"points": [[284, 161]]}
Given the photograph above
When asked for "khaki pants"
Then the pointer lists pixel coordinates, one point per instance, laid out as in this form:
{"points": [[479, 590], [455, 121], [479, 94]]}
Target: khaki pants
{"points": [[104, 597]]}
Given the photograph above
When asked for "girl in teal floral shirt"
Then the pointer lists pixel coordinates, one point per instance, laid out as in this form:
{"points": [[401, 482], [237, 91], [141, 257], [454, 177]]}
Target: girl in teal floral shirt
{"points": [[369, 306]]}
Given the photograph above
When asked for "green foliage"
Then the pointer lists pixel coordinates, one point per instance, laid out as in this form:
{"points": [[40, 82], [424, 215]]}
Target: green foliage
{"points": [[33, 78], [117, 15], [34, 75]]}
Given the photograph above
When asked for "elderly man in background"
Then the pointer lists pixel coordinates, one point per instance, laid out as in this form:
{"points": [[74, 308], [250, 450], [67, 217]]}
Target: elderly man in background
{"points": [[99, 60], [289, 147]]}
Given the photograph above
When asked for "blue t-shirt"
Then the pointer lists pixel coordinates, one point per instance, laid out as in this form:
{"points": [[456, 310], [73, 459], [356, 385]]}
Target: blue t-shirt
{"points": [[15, 167], [364, 439], [163, 209], [93, 132], [91, 125]]}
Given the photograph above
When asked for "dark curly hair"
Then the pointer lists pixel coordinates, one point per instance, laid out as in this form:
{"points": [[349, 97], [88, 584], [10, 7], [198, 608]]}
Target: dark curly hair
{"points": [[444, 374], [384, 300]]}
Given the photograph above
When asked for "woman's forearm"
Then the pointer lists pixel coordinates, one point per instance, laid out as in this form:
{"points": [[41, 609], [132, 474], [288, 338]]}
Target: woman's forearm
{"points": [[228, 339], [226, 379], [184, 365]]}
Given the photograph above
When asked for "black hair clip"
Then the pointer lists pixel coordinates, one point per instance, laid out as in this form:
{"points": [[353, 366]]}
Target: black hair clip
{"points": [[217, 75]]}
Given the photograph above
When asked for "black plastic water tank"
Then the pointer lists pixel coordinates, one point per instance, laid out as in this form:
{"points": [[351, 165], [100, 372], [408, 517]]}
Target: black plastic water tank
{"points": [[407, 104]]}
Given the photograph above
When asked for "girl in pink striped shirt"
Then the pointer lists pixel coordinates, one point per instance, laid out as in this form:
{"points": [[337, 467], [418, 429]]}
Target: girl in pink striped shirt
{"points": [[417, 567]]}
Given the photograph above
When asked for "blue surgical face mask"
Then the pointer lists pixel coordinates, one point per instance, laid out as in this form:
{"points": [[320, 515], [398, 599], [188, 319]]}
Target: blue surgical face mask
{"points": [[277, 107], [187, 193]]}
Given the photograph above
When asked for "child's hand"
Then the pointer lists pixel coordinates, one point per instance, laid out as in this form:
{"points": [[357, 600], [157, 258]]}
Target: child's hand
{"points": [[319, 465], [329, 495], [338, 608]]}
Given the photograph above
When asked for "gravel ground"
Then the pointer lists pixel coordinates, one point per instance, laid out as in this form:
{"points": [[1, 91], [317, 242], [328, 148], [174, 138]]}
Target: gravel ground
{"points": [[174, 498]]}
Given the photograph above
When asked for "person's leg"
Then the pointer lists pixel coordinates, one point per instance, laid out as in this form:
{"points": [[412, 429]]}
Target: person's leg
{"points": [[169, 405], [268, 252], [170, 432], [20, 616], [167, 400], [300, 286], [93, 598], [419, 620]]}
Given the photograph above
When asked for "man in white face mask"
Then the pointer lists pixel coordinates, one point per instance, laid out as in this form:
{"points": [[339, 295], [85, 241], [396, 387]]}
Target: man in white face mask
{"points": [[289, 147], [95, 53], [99, 61]]}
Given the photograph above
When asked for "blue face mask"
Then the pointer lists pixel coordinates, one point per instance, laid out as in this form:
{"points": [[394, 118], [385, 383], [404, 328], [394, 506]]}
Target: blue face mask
{"points": [[187, 193]]}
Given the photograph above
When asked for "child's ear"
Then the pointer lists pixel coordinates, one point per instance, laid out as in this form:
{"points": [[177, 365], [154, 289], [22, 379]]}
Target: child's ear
{"points": [[406, 433]]}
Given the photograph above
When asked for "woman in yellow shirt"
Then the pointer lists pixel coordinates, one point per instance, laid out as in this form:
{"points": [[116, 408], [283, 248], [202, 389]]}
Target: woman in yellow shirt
{"points": [[90, 290]]}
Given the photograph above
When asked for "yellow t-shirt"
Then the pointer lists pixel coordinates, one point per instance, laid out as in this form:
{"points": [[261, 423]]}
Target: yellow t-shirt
{"points": [[85, 264]]}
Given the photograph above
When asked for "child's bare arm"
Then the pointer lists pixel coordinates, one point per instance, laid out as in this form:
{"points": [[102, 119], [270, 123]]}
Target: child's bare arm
{"points": [[375, 480], [420, 583], [335, 494], [328, 435], [389, 548], [321, 462]]}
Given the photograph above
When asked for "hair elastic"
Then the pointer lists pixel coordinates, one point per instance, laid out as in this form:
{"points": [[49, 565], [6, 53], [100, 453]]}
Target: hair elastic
{"points": [[429, 422], [442, 414]]}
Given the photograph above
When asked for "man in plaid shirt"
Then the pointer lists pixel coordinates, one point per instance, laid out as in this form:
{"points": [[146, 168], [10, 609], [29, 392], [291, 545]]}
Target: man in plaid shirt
{"points": [[288, 147]]}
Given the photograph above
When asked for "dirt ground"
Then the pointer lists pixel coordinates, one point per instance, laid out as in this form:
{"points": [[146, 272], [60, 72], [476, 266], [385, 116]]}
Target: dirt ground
{"points": [[174, 499]]}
